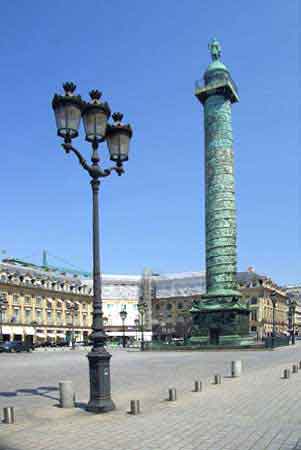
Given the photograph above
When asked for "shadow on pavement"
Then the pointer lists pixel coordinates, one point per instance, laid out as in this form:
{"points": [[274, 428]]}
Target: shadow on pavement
{"points": [[42, 391], [3, 446]]}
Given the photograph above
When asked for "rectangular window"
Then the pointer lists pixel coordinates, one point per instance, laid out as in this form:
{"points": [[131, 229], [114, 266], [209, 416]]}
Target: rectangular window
{"points": [[27, 300], [39, 316], [254, 315], [39, 301], [28, 315], [15, 300], [16, 315]]}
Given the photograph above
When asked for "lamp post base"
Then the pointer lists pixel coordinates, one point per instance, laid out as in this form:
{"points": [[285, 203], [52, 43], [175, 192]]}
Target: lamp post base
{"points": [[100, 381]]}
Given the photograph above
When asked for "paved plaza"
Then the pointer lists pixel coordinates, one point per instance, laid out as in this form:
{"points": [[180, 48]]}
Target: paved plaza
{"points": [[256, 412]]}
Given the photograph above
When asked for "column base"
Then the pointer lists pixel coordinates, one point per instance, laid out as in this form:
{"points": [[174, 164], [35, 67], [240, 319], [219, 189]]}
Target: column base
{"points": [[100, 381], [100, 406]]}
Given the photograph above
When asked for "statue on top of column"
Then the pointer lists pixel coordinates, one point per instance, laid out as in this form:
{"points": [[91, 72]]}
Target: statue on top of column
{"points": [[215, 49]]}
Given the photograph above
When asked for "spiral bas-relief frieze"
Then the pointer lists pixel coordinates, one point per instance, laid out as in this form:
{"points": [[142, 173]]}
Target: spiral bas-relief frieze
{"points": [[220, 195]]}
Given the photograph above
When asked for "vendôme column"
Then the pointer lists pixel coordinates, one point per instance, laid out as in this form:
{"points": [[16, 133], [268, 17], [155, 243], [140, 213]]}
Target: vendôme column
{"points": [[219, 317], [217, 96]]}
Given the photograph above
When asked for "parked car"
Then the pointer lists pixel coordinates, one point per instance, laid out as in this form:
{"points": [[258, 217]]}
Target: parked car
{"points": [[15, 346], [62, 344]]}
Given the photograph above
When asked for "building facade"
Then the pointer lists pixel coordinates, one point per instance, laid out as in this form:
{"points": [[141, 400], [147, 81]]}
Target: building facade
{"points": [[294, 295], [39, 305], [176, 293], [44, 304]]}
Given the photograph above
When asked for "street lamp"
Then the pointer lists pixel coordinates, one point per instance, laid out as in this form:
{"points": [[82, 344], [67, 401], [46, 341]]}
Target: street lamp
{"points": [[136, 325], [141, 309], [73, 308], [274, 302], [123, 316], [69, 109], [34, 324], [292, 312], [3, 304]]}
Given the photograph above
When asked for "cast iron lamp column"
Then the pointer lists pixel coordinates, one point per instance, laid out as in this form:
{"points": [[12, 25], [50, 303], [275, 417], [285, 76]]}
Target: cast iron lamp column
{"points": [[136, 325], [3, 304], [68, 110], [34, 324], [293, 305], [123, 316], [141, 309], [274, 302], [73, 308]]}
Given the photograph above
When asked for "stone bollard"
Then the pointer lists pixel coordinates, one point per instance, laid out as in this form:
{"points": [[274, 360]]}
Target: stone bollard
{"points": [[67, 395], [295, 368], [286, 373], [299, 364], [9, 414], [217, 379], [198, 386], [135, 407], [236, 369], [172, 395]]}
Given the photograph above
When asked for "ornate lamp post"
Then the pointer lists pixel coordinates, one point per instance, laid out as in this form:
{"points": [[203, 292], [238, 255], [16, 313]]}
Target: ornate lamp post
{"points": [[274, 302], [141, 309], [3, 304], [34, 324], [123, 316], [292, 312], [73, 308], [137, 326], [69, 109]]}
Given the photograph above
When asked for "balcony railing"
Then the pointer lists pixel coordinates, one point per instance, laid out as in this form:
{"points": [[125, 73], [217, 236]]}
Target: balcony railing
{"points": [[217, 79]]}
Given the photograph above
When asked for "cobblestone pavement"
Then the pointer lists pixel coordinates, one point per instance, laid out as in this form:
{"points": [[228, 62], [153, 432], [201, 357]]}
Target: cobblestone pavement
{"points": [[259, 411]]}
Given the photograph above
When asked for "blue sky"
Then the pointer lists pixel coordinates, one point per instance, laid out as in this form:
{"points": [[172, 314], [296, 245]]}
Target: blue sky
{"points": [[145, 57]]}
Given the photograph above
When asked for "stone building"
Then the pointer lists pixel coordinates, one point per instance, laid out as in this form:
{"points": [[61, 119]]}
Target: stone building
{"points": [[46, 304], [175, 294], [42, 305], [294, 294], [256, 290]]}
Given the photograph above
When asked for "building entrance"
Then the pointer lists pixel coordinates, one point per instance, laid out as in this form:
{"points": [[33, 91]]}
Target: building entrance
{"points": [[214, 334]]}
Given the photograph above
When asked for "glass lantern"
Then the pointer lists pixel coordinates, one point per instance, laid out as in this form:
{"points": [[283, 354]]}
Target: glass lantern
{"points": [[123, 315], [118, 139], [95, 117], [67, 109]]}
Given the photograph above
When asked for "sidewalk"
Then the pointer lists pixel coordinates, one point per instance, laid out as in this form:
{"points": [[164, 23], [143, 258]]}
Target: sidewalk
{"points": [[259, 411]]}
